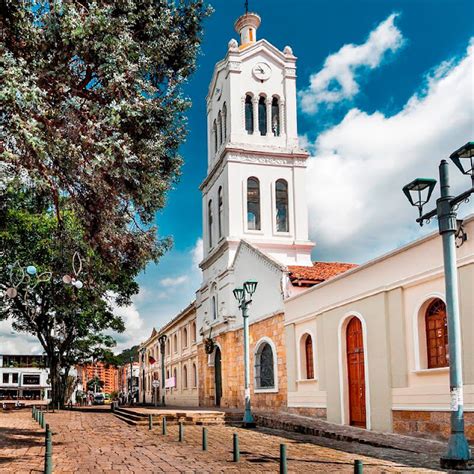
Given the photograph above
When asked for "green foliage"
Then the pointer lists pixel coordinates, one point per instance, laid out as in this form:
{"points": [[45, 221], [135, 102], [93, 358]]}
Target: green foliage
{"points": [[93, 109], [92, 115], [95, 384]]}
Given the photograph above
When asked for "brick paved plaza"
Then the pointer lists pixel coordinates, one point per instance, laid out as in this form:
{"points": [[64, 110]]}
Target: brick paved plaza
{"points": [[98, 442]]}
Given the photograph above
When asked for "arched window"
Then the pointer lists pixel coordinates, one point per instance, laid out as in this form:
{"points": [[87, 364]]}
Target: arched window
{"points": [[185, 376], [248, 114], [437, 334], [275, 117], [224, 120], [308, 357], [219, 126], [262, 115], [214, 135], [209, 221], [264, 367], [175, 342], [193, 331], [253, 204], [185, 337], [168, 374], [214, 307], [195, 376], [168, 349], [175, 375], [281, 197], [220, 210]]}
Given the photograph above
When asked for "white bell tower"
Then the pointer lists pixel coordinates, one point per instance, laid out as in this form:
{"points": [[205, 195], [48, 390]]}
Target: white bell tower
{"points": [[255, 188]]}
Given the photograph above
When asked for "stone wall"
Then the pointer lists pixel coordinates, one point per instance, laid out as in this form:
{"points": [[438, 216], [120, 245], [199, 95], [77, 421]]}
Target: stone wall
{"points": [[232, 349], [429, 424], [311, 412]]}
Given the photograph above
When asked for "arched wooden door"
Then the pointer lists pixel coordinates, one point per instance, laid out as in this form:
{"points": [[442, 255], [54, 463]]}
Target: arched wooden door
{"points": [[356, 373], [218, 376]]}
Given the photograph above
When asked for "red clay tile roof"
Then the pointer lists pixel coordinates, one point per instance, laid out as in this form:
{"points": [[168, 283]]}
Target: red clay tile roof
{"points": [[319, 272]]}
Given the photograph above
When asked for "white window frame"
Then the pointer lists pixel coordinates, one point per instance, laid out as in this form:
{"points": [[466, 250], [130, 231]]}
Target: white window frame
{"points": [[274, 389]]}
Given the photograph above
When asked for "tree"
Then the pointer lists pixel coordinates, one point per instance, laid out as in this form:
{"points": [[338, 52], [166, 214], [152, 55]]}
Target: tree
{"points": [[69, 322], [94, 384], [91, 120], [93, 108]]}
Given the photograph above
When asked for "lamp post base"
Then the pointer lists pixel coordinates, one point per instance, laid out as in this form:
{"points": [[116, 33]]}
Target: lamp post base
{"points": [[458, 454], [248, 421]]}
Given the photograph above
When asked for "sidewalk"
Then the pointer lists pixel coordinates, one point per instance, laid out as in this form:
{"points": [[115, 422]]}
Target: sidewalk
{"points": [[100, 443], [315, 427]]}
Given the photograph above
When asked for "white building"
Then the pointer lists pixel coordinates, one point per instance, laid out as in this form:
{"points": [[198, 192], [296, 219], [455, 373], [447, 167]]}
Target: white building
{"points": [[255, 221], [375, 341], [24, 377]]}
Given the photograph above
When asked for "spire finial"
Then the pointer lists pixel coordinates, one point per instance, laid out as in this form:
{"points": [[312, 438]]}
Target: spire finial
{"points": [[246, 6]]}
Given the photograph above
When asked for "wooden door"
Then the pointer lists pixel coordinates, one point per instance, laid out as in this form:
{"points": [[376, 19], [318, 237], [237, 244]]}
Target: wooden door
{"points": [[356, 373], [218, 376]]}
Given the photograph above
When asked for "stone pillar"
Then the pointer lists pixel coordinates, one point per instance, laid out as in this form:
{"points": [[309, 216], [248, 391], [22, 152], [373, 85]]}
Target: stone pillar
{"points": [[268, 103], [255, 114], [281, 104]]}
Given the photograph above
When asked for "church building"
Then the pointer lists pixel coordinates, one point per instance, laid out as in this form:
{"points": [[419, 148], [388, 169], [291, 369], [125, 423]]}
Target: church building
{"points": [[255, 221], [364, 345]]}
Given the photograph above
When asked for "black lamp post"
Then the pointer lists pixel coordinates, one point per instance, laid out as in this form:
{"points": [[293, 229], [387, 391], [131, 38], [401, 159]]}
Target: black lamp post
{"points": [[419, 192], [162, 341]]}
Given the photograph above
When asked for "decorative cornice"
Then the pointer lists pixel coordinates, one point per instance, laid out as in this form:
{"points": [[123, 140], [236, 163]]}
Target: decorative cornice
{"points": [[289, 158]]}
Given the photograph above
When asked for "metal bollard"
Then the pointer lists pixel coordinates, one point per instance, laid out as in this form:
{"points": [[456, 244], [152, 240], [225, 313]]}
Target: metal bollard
{"points": [[150, 422], [236, 450], [48, 455], [358, 466], [33, 408], [204, 439], [181, 431], [164, 425], [283, 460], [42, 419]]}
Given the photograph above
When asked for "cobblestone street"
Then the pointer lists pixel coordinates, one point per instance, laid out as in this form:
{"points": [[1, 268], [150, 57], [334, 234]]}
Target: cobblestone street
{"points": [[98, 442]]}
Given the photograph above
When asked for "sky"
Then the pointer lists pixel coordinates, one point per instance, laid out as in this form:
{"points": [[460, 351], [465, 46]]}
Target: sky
{"points": [[385, 91]]}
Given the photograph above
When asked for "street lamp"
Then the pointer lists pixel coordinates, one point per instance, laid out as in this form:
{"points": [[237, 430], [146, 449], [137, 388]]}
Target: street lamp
{"points": [[162, 341], [458, 452], [244, 298], [463, 158]]}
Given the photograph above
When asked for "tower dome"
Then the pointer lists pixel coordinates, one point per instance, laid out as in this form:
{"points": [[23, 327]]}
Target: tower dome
{"points": [[246, 26]]}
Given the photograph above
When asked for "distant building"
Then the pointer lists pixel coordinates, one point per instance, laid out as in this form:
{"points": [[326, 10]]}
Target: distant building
{"points": [[181, 362], [124, 378], [108, 374], [24, 377]]}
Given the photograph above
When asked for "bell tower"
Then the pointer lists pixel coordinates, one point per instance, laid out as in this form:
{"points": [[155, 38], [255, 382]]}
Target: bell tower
{"points": [[255, 187]]}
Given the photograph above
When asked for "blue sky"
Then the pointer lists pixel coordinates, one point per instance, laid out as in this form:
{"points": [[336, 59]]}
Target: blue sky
{"points": [[409, 103]]}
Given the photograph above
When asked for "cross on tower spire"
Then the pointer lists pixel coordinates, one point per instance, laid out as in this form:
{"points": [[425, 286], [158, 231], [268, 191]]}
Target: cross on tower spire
{"points": [[246, 6]]}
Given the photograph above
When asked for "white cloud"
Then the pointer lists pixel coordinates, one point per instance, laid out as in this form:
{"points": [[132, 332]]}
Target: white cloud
{"points": [[357, 208], [197, 253], [130, 315], [337, 80], [174, 281], [12, 342]]}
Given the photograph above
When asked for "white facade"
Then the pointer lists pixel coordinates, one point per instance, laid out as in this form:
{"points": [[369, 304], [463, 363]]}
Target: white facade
{"points": [[180, 362], [390, 296], [18, 382], [252, 141]]}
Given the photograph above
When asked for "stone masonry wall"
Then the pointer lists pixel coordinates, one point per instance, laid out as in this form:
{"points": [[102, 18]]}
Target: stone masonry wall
{"points": [[429, 424], [232, 349]]}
